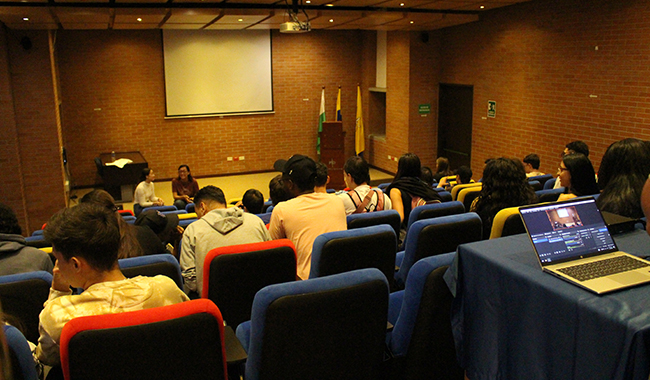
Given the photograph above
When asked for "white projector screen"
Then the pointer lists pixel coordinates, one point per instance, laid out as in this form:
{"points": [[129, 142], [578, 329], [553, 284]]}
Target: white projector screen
{"points": [[217, 72]]}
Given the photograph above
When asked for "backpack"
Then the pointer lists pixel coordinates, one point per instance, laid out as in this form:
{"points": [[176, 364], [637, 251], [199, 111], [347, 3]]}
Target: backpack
{"points": [[361, 205], [419, 201]]}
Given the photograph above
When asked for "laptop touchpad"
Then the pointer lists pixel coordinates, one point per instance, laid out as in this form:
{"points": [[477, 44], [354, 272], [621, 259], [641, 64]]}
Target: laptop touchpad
{"points": [[629, 277]]}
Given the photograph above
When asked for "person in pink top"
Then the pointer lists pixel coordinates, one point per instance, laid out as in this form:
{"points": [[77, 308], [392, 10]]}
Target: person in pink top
{"points": [[308, 214]]}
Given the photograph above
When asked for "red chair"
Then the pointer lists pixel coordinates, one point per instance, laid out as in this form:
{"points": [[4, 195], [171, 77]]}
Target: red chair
{"points": [[125, 212], [233, 275], [181, 341]]}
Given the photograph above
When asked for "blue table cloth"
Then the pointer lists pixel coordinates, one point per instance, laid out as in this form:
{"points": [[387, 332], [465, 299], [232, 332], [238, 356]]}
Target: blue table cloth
{"points": [[513, 321]]}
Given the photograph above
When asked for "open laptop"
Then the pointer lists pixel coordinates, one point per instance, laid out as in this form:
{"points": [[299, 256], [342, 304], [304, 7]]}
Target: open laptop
{"points": [[572, 242]]}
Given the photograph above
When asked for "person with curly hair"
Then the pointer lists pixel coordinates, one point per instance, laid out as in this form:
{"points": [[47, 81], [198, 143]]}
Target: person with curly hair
{"points": [[504, 185], [577, 176], [623, 171]]}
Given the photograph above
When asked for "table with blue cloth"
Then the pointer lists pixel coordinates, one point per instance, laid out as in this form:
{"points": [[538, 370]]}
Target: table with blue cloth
{"points": [[513, 321]]}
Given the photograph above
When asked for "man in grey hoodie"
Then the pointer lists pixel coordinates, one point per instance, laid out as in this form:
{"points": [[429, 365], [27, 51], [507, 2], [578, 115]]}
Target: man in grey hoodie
{"points": [[15, 256], [218, 226]]}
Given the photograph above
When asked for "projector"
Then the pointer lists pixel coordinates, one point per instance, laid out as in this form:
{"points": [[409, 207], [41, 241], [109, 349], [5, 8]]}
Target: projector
{"points": [[295, 27]]}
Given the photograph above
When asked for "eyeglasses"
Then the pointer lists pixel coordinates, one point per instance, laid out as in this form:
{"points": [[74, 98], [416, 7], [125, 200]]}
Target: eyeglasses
{"points": [[561, 169]]}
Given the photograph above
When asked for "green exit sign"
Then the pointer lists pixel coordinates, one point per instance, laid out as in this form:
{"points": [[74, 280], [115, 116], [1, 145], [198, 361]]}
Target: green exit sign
{"points": [[492, 108], [424, 108]]}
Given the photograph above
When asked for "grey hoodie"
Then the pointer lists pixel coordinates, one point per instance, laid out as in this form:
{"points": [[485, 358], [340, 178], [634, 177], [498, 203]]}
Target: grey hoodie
{"points": [[16, 257], [217, 228]]}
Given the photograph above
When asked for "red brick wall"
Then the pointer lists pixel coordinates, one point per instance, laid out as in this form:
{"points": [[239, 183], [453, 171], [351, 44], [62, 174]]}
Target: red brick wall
{"points": [[121, 72], [539, 62], [34, 112]]}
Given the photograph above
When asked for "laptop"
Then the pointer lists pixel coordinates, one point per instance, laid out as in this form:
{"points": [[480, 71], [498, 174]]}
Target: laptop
{"points": [[572, 242]]}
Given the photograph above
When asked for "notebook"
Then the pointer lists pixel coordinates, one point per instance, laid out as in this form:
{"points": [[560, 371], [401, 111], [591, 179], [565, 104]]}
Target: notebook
{"points": [[572, 242]]}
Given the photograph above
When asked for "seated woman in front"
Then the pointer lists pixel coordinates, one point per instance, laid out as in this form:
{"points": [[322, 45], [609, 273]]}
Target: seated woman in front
{"points": [[577, 176], [184, 187], [145, 196]]}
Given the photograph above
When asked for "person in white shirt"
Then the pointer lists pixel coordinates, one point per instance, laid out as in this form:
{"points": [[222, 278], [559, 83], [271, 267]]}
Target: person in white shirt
{"points": [[361, 197], [145, 196]]}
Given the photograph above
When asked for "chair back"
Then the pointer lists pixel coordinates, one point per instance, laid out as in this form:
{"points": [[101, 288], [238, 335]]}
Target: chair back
{"points": [[456, 189], [536, 185], [375, 218], [266, 217], [550, 195], [549, 184], [430, 237], [129, 218], [383, 186], [422, 341], [190, 207], [507, 222], [467, 196], [152, 265], [445, 196], [22, 361], [181, 341], [177, 212], [326, 328], [542, 178], [233, 275], [348, 250], [266, 205], [160, 208], [435, 210], [23, 295]]}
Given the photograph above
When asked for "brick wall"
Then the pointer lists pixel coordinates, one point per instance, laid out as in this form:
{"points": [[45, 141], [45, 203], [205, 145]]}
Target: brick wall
{"points": [[38, 170], [121, 73], [539, 62]]}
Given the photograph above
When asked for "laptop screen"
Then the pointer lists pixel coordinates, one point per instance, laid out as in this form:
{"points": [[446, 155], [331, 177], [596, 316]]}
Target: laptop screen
{"points": [[567, 230]]}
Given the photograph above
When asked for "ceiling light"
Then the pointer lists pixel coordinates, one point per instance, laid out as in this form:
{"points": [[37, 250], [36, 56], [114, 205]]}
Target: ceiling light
{"points": [[331, 20], [308, 1], [240, 20], [401, 4], [482, 7], [412, 22], [139, 19], [25, 18], [329, 5]]}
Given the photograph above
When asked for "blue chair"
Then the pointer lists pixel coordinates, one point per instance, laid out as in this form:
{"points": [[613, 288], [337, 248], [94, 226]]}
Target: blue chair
{"points": [[542, 178], [152, 265], [23, 296], [536, 185], [366, 219], [430, 237], [22, 361], [348, 250], [190, 208], [177, 212], [129, 218], [445, 195], [186, 222], [266, 217], [37, 233], [549, 195], [160, 208], [331, 327], [383, 186], [34, 238], [421, 342], [270, 208], [549, 184], [266, 205], [435, 210]]}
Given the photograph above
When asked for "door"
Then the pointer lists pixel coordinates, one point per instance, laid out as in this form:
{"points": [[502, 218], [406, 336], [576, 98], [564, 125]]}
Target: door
{"points": [[455, 124]]}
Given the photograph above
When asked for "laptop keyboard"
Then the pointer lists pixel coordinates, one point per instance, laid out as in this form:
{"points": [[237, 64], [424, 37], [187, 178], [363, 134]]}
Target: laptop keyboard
{"points": [[596, 269]]}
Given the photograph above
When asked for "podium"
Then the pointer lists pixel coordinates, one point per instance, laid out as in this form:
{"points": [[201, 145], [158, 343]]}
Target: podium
{"points": [[332, 152], [121, 182]]}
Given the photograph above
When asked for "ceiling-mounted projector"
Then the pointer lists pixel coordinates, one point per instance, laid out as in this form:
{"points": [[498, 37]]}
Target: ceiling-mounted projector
{"points": [[295, 27]]}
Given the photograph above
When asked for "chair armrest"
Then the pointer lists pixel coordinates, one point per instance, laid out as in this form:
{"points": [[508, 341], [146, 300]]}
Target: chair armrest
{"points": [[395, 305], [235, 352], [399, 257], [244, 334]]}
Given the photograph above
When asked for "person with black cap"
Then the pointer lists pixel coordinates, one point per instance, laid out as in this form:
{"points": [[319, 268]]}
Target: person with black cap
{"points": [[308, 214], [165, 226]]}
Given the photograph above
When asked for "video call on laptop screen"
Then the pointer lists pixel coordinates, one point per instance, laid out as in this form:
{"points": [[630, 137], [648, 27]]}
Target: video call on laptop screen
{"points": [[567, 230]]}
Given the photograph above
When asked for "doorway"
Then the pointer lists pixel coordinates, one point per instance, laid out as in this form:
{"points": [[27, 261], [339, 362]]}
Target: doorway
{"points": [[455, 109]]}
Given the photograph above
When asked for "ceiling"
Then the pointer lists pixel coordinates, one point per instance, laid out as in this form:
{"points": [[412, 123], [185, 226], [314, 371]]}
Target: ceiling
{"points": [[242, 14]]}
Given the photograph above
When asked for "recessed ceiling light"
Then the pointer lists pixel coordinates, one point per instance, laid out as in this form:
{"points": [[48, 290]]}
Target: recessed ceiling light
{"points": [[482, 7], [240, 20], [329, 5], [25, 18], [139, 19], [412, 22], [308, 1], [331, 20], [401, 4]]}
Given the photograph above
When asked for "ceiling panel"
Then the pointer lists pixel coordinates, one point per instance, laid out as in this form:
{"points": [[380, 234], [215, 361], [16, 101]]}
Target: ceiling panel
{"points": [[193, 16], [139, 16]]}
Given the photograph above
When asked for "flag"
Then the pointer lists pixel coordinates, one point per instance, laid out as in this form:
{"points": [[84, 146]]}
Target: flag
{"points": [[321, 118], [359, 135], [338, 106]]}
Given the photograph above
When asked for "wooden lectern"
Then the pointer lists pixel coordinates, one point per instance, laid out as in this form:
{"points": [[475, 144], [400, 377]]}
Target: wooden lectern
{"points": [[332, 152]]}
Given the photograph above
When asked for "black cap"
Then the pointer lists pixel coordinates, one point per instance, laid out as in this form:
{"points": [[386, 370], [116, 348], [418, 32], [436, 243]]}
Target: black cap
{"points": [[300, 168], [157, 221], [279, 165]]}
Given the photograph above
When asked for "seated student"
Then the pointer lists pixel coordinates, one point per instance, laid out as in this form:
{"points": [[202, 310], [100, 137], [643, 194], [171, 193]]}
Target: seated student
{"points": [[531, 165], [134, 240], [463, 176], [361, 198], [166, 228], [577, 176], [184, 187], [322, 178], [308, 214], [145, 196], [253, 201], [219, 226], [442, 168], [277, 191], [572, 147], [15, 255], [85, 241], [426, 175]]}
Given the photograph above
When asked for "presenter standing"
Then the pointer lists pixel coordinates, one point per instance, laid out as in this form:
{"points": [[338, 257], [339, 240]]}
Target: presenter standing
{"points": [[145, 195]]}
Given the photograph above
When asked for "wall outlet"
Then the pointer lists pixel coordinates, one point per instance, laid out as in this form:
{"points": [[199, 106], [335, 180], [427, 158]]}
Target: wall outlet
{"points": [[229, 159]]}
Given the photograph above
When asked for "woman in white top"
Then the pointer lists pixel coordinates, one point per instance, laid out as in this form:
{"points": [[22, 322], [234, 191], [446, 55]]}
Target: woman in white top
{"points": [[145, 195]]}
